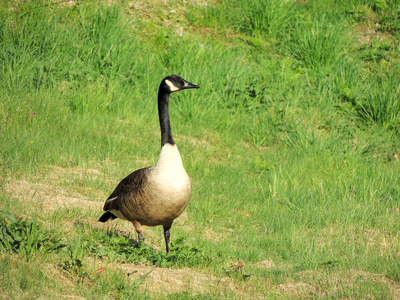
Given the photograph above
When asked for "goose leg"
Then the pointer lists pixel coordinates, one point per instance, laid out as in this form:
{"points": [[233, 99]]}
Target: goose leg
{"points": [[167, 235], [140, 237], [139, 230]]}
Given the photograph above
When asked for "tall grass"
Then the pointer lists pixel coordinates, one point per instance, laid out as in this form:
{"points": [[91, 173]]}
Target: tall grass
{"points": [[74, 45], [381, 101], [319, 39]]}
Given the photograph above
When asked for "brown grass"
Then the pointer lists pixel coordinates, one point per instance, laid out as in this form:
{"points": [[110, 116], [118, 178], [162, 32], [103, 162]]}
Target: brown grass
{"points": [[162, 281], [330, 284], [49, 196]]}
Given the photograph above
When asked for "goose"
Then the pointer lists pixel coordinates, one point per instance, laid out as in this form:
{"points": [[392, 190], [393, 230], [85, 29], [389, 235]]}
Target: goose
{"points": [[155, 195]]}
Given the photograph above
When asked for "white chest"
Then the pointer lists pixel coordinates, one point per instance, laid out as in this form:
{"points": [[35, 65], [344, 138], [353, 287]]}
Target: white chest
{"points": [[170, 174]]}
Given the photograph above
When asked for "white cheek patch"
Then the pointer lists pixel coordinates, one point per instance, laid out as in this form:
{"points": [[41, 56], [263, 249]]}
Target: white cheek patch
{"points": [[172, 87]]}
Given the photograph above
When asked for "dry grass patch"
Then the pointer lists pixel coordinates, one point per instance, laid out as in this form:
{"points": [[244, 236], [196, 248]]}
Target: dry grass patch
{"points": [[264, 264], [384, 242], [164, 281], [371, 239], [211, 235], [51, 197], [332, 283], [59, 285], [300, 290], [51, 191]]}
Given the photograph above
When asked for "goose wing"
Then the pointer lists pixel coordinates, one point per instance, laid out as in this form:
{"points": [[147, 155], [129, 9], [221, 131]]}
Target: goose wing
{"points": [[131, 186]]}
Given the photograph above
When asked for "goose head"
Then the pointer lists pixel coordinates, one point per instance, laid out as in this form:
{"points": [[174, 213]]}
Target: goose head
{"points": [[174, 83]]}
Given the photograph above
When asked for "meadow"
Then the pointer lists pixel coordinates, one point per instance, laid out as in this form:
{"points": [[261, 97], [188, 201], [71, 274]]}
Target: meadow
{"points": [[292, 143]]}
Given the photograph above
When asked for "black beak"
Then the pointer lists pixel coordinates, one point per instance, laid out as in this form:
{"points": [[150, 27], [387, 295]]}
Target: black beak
{"points": [[189, 85]]}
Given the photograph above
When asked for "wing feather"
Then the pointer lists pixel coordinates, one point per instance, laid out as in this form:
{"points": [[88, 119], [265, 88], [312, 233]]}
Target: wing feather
{"points": [[130, 186]]}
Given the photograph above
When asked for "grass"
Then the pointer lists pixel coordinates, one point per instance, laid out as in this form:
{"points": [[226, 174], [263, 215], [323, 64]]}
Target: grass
{"points": [[292, 144]]}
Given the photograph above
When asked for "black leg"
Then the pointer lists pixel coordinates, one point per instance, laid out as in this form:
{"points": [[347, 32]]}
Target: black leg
{"points": [[166, 236]]}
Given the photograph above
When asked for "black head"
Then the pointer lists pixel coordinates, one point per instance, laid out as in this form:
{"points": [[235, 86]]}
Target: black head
{"points": [[174, 83]]}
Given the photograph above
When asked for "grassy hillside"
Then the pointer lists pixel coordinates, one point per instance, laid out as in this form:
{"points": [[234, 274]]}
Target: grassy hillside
{"points": [[292, 143]]}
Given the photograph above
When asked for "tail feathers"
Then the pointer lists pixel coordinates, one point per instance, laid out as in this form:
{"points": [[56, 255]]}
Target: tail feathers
{"points": [[106, 216]]}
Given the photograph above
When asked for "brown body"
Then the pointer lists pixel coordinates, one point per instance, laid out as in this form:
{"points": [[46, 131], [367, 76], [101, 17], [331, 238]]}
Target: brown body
{"points": [[155, 195]]}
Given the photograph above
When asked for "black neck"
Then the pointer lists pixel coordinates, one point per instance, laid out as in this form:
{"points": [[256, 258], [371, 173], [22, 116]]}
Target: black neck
{"points": [[163, 114]]}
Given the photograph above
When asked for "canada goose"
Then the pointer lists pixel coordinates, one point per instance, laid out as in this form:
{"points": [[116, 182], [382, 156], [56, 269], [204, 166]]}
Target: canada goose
{"points": [[155, 195]]}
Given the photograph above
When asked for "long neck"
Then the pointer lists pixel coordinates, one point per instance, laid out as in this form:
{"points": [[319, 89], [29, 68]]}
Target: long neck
{"points": [[163, 114]]}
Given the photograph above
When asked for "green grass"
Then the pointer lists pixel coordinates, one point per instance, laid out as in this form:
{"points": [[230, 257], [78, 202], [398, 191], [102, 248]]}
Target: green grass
{"points": [[292, 144]]}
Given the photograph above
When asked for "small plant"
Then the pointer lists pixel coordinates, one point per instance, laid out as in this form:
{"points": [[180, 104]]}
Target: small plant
{"points": [[121, 248], [74, 264], [182, 254], [26, 238], [262, 165], [376, 50], [236, 270]]}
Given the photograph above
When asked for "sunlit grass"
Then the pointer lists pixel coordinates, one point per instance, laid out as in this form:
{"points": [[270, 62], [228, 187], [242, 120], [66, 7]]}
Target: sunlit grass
{"points": [[291, 143]]}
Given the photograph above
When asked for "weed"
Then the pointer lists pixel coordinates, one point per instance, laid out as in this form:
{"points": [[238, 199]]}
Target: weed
{"points": [[73, 264], [120, 248], [26, 238]]}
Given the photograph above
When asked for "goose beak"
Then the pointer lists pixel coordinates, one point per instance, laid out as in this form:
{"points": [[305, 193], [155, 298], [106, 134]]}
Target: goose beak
{"points": [[189, 85]]}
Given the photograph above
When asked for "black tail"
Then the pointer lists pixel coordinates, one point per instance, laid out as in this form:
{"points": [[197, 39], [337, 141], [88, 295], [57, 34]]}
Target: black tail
{"points": [[106, 216]]}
